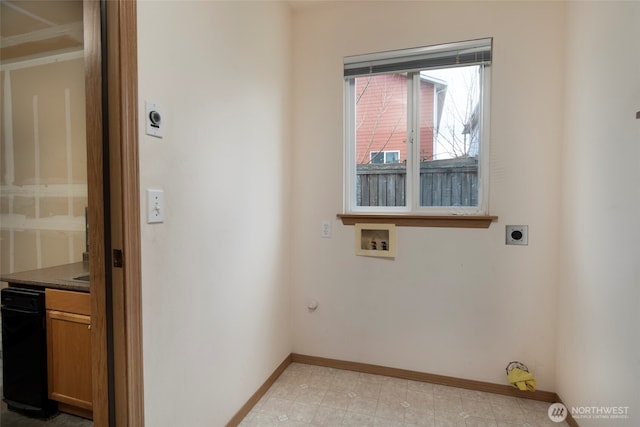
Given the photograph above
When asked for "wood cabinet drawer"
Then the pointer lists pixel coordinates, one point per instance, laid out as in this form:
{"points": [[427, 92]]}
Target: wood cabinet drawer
{"points": [[68, 301]]}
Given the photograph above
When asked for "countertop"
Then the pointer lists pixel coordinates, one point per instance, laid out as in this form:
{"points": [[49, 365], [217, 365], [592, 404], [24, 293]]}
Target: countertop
{"points": [[58, 277]]}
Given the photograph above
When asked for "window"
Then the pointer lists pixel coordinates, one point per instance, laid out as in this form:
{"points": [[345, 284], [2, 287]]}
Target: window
{"points": [[384, 156], [416, 130]]}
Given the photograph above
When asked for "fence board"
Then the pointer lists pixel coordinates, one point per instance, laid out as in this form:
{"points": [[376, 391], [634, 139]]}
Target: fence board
{"points": [[451, 182]]}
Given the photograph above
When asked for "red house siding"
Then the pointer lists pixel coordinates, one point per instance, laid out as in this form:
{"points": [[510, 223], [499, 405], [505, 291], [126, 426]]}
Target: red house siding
{"points": [[381, 116]]}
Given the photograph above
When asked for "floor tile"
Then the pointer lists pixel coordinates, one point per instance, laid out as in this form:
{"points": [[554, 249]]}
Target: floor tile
{"points": [[367, 390], [339, 399], [480, 422], [478, 408], [311, 396], [390, 410], [328, 416], [355, 419], [419, 416], [303, 412], [446, 403], [363, 405], [474, 395], [421, 399]]}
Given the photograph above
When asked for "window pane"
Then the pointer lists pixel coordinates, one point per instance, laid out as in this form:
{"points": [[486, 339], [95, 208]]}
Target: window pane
{"points": [[381, 125], [377, 157], [392, 157], [449, 136]]}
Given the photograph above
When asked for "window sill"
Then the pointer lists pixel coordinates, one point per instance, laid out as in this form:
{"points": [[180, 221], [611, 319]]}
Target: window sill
{"points": [[450, 221]]}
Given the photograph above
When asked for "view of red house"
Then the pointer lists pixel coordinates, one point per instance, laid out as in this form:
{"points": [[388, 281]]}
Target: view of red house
{"points": [[381, 117]]}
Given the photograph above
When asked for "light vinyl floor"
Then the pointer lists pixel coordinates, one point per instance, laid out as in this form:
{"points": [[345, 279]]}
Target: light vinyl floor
{"points": [[306, 395]]}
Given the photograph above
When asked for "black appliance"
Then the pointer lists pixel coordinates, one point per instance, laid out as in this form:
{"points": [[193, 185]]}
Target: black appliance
{"points": [[24, 352]]}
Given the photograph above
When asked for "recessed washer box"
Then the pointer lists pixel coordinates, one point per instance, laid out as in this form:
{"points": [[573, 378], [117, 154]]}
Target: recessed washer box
{"points": [[517, 235]]}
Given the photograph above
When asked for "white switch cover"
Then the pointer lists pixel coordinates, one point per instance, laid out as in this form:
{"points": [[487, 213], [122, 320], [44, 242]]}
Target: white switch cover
{"points": [[325, 229], [154, 117], [155, 206]]}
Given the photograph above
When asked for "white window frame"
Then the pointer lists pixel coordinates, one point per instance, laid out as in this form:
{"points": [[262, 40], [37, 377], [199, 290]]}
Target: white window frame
{"points": [[413, 143]]}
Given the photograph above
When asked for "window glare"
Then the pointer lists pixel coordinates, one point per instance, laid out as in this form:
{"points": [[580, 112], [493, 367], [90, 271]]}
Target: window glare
{"points": [[456, 127]]}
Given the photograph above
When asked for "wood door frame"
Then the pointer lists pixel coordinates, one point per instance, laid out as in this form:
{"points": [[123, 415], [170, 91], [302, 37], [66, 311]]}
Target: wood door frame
{"points": [[96, 218], [114, 211]]}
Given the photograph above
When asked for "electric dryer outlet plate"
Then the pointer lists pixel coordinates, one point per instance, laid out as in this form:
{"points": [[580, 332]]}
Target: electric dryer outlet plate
{"points": [[517, 235]]}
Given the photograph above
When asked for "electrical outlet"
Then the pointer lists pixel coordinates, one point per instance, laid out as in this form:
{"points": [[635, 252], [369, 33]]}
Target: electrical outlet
{"points": [[325, 229], [517, 235]]}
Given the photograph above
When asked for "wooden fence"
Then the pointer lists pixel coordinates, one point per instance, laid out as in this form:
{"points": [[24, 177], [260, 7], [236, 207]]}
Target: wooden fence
{"points": [[451, 182]]}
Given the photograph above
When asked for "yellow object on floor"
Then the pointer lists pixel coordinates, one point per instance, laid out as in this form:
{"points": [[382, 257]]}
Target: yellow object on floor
{"points": [[522, 380]]}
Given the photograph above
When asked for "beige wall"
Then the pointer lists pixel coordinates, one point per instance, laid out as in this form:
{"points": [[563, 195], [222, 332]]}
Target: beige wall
{"points": [[215, 281], [225, 295], [599, 336], [43, 168], [453, 302]]}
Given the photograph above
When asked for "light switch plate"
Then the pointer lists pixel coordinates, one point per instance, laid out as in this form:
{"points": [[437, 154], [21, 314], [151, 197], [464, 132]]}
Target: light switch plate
{"points": [[325, 229], [155, 206]]}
